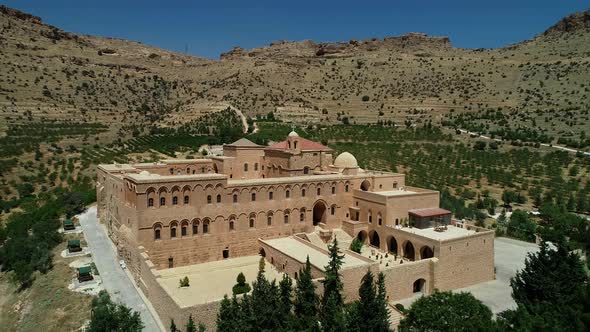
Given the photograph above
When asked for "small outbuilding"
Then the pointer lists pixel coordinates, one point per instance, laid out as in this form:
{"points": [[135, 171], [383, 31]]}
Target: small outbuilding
{"points": [[426, 218], [85, 274], [68, 225], [74, 246]]}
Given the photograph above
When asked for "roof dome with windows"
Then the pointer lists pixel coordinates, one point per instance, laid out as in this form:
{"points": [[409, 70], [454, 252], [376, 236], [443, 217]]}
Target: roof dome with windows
{"points": [[293, 134], [345, 160]]}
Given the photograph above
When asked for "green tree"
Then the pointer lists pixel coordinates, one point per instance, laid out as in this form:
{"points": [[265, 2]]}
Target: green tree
{"points": [[332, 302], [109, 316], [173, 327], [447, 311], [229, 318], [241, 285], [286, 304], [190, 325], [306, 300], [551, 292], [356, 245], [521, 226], [265, 302], [370, 312]]}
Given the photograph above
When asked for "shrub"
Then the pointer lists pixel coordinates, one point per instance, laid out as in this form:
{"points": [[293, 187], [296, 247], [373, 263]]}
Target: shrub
{"points": [[365, 98], [241, 286], [184, 282], [356, 245]]}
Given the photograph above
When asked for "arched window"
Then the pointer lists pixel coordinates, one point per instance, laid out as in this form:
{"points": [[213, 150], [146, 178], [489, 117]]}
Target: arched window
{"points": [[157, 235], [333, 190], [302, 192], [184, 229], [270, 195], [269, 220], [302, 216], [319, 191], [150, 202], [305, 170], [286, 217], [333, 210], [186, 199], [208, 199], [295, 145], [174, 200], [370, 217], [346, 188], [251, 222], [253, 197], [162, 201], [255, 166], [206, 227], [188, 170], [235, 198], [287, 194], [379, 219], [231, 225], [246, 167], [195, 227], [173, 230]]}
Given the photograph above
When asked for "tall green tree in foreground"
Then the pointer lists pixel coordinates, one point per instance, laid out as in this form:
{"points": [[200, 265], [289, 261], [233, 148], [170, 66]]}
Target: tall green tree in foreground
{"points": [[370, 312], [306, 301], [332, 304], [447, 311], [109, 316], [552, 293]]}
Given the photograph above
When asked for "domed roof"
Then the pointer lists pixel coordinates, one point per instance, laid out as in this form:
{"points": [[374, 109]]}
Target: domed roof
{"points": [[293, 134], [144, 173], [345, 160]]}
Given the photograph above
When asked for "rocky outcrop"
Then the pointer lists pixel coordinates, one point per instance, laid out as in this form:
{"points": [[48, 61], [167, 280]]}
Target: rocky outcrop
{"points": [[572, 23], [308, 48], [20, 15]]}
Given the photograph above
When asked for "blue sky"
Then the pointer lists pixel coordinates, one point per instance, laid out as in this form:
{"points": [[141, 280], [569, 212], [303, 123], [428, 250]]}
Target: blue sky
{"points": [[208, 28]]}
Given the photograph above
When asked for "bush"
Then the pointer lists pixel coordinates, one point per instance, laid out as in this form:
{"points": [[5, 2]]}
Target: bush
{"points": [[356, 245], [184, 282], [365, 98], [241, 287]]}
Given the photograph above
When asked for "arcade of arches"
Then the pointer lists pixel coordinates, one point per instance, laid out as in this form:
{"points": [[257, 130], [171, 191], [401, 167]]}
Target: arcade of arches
{"points": [[407, 249]]}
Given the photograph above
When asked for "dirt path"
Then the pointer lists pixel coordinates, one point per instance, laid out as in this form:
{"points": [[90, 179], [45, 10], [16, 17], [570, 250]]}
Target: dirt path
{"points": [[559, 147]]}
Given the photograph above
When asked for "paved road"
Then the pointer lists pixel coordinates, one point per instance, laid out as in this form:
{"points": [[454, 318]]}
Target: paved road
{"points": [[114, 279]]}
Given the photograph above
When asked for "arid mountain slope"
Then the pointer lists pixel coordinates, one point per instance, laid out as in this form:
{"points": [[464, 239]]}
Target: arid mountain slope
{"points": [[50, 74]]}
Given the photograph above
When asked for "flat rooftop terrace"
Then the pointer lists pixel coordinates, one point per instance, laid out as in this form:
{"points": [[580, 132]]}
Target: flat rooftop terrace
{"points": [[450, 233], [300, 251], [396, 192], [210, 281]]}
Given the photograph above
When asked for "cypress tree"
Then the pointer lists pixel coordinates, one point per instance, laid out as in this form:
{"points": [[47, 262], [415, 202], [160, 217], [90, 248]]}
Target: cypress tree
{"points": [[332, 306], [381, 311], [286, 305], [306, 300], [265, 302], [190, 325], [228, 315], [173, 326]]}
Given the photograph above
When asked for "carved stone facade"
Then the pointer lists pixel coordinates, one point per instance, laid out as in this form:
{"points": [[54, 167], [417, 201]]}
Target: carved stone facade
{"points": [[184, 212]]}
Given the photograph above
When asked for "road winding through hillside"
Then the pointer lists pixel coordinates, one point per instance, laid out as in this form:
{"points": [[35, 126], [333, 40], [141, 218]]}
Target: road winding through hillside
{"points": [[115, 280], [542, 144]]}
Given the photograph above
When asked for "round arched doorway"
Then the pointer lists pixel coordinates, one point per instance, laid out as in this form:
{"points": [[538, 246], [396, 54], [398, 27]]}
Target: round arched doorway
{"points": [[319, 213], [374, 239], [362, 236], [409, 252]]}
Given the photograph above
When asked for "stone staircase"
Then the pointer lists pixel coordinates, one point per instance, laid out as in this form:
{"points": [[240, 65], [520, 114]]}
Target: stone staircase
{"points": [[315, 239]]}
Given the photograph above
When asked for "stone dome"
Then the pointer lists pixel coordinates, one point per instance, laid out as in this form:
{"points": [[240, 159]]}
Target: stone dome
{"points": [[345, 160], [293, 134], [144, 173]]}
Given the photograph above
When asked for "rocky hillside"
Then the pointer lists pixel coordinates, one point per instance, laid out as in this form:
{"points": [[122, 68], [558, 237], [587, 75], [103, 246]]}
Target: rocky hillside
{"points": [[47, 73]]}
